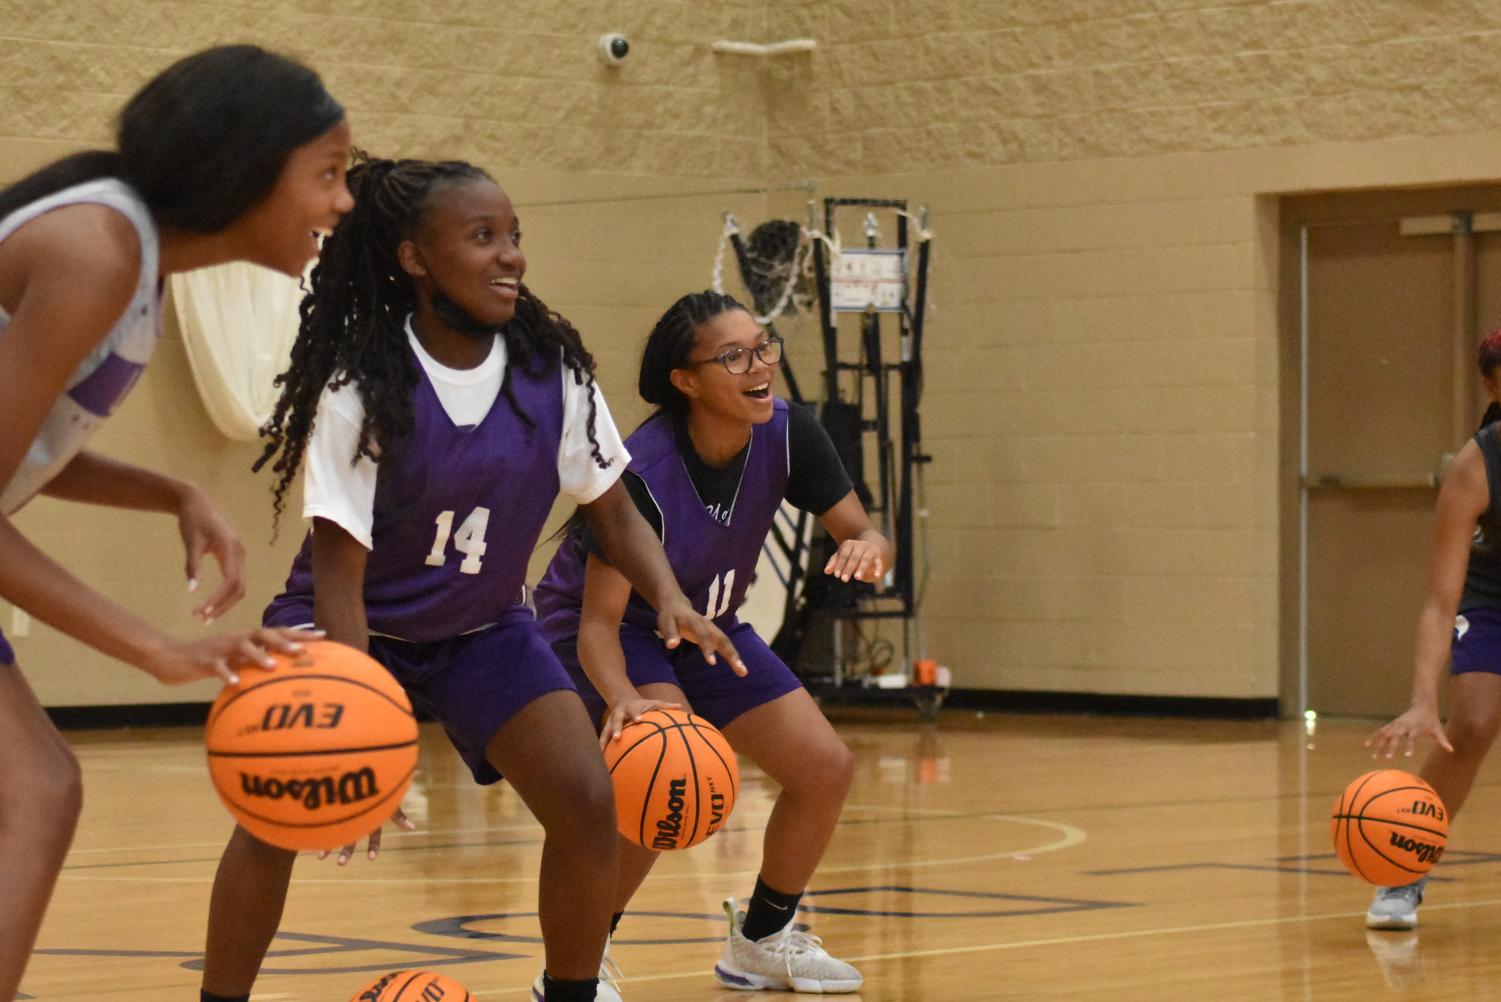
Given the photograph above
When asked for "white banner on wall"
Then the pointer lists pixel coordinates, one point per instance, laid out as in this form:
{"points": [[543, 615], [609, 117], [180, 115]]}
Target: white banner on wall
{"points": [[238, 323]]}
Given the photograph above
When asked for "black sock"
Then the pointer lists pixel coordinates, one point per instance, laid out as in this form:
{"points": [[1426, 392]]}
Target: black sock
{"points": [[769, 911], [204, 996], [558, 990], [615, 921]]}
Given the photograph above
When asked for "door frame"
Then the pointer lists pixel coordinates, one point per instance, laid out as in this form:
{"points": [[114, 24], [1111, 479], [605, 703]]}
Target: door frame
{"points": [[1426, 212]]}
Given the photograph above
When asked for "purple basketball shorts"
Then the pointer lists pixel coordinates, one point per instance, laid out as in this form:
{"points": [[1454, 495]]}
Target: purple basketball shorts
{"points": [[714, 691], [1477, 641], [472, 684]]}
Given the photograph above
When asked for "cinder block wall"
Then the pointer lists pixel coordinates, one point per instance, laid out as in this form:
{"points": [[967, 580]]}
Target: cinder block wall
{"points": [[586, 152], [1102, 391], [1103, 372]]}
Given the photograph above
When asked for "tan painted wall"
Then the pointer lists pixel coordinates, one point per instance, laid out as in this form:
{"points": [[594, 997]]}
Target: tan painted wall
{"points": [[1103, 364]]}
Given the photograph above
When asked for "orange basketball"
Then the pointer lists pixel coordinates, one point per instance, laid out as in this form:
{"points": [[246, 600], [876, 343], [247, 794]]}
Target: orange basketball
{"points": [[675, 779], [315, 753], [1389, 827], [413, 986]]}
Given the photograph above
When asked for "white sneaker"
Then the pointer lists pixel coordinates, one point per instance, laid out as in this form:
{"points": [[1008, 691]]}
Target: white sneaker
{"points": [[789, 961], [1396, 907], [609, 977]]}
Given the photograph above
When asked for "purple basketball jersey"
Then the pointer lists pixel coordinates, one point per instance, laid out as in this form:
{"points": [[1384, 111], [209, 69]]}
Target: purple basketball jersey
{"points": [[714, 561], [457, 514]]}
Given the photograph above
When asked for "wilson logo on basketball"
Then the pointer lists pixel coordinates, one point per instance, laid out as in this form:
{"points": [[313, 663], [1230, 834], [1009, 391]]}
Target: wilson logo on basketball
{"points": [[1425, 851], [350, 788], [1425, 809], [285, 716], [671, 826]]}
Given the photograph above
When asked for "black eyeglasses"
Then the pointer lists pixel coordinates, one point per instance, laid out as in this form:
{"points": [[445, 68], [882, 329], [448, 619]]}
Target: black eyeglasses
{"points": [[737, 361]]}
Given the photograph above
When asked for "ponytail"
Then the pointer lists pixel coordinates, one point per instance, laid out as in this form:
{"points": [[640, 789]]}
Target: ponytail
{"points": [[202, 142]]}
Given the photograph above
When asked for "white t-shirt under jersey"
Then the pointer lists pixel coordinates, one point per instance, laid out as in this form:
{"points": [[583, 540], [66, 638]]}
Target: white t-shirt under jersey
{"points": [[345, 493]]}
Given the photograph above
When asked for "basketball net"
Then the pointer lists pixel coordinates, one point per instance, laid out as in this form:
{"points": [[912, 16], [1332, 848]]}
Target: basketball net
{"points": [[779, 265]]}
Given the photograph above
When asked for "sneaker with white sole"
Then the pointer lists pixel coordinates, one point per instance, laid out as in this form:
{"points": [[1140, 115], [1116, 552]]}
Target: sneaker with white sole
{"points": [[1396, 907], [788, 961], [609, 978]]}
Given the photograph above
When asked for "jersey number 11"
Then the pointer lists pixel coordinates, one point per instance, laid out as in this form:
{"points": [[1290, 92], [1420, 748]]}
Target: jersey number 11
{"points": [[719, 594]]}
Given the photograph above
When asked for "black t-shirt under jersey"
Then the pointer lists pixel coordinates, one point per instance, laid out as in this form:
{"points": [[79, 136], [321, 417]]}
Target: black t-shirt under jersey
{"points": [[1482, 588], [816, 479]]}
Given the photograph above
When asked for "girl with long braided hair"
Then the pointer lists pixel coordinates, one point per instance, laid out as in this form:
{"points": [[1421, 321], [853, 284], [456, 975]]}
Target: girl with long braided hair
{"points": [[230, 154], [427, 493], [709, 471]]}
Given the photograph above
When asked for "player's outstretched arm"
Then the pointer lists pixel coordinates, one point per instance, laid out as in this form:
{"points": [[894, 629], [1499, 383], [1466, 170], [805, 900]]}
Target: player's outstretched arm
{"points": [[65, 278], [606, 594], [339, 610], [1462, 499], [94, 479]]}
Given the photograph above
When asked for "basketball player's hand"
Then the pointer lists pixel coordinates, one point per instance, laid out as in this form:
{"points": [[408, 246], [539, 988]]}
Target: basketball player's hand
{"points": [[858, 559], [1417, 722], [629, 711], [205, 531], [181, 661], [372, 849], [677, 621]]}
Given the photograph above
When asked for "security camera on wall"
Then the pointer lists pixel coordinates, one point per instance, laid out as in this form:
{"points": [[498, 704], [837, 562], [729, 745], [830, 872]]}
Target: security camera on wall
{"points": [[613, 48]]}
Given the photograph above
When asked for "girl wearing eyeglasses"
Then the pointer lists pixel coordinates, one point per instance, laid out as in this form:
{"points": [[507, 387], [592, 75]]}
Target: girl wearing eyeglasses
{"points": [[709, 470]]}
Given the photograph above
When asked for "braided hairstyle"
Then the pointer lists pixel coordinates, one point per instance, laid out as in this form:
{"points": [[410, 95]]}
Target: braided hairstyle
{"points": [[670, 344], [353, 326]]}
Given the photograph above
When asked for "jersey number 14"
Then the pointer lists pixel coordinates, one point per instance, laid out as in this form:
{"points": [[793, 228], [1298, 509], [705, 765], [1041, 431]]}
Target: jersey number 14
{"points": [[469, 540]]}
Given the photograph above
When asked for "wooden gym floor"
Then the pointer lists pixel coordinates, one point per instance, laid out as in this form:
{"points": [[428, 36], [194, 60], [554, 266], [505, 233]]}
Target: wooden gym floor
{"points": [[1003, 857]]}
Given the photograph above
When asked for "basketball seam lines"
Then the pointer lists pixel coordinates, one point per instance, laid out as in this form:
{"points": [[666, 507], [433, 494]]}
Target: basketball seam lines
{"points": [[404, 987], [645, 737], [214, 715], [732, 771], [1349, 841], [312, 753], [698, 807], [1396, 824], [650, 786]]}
